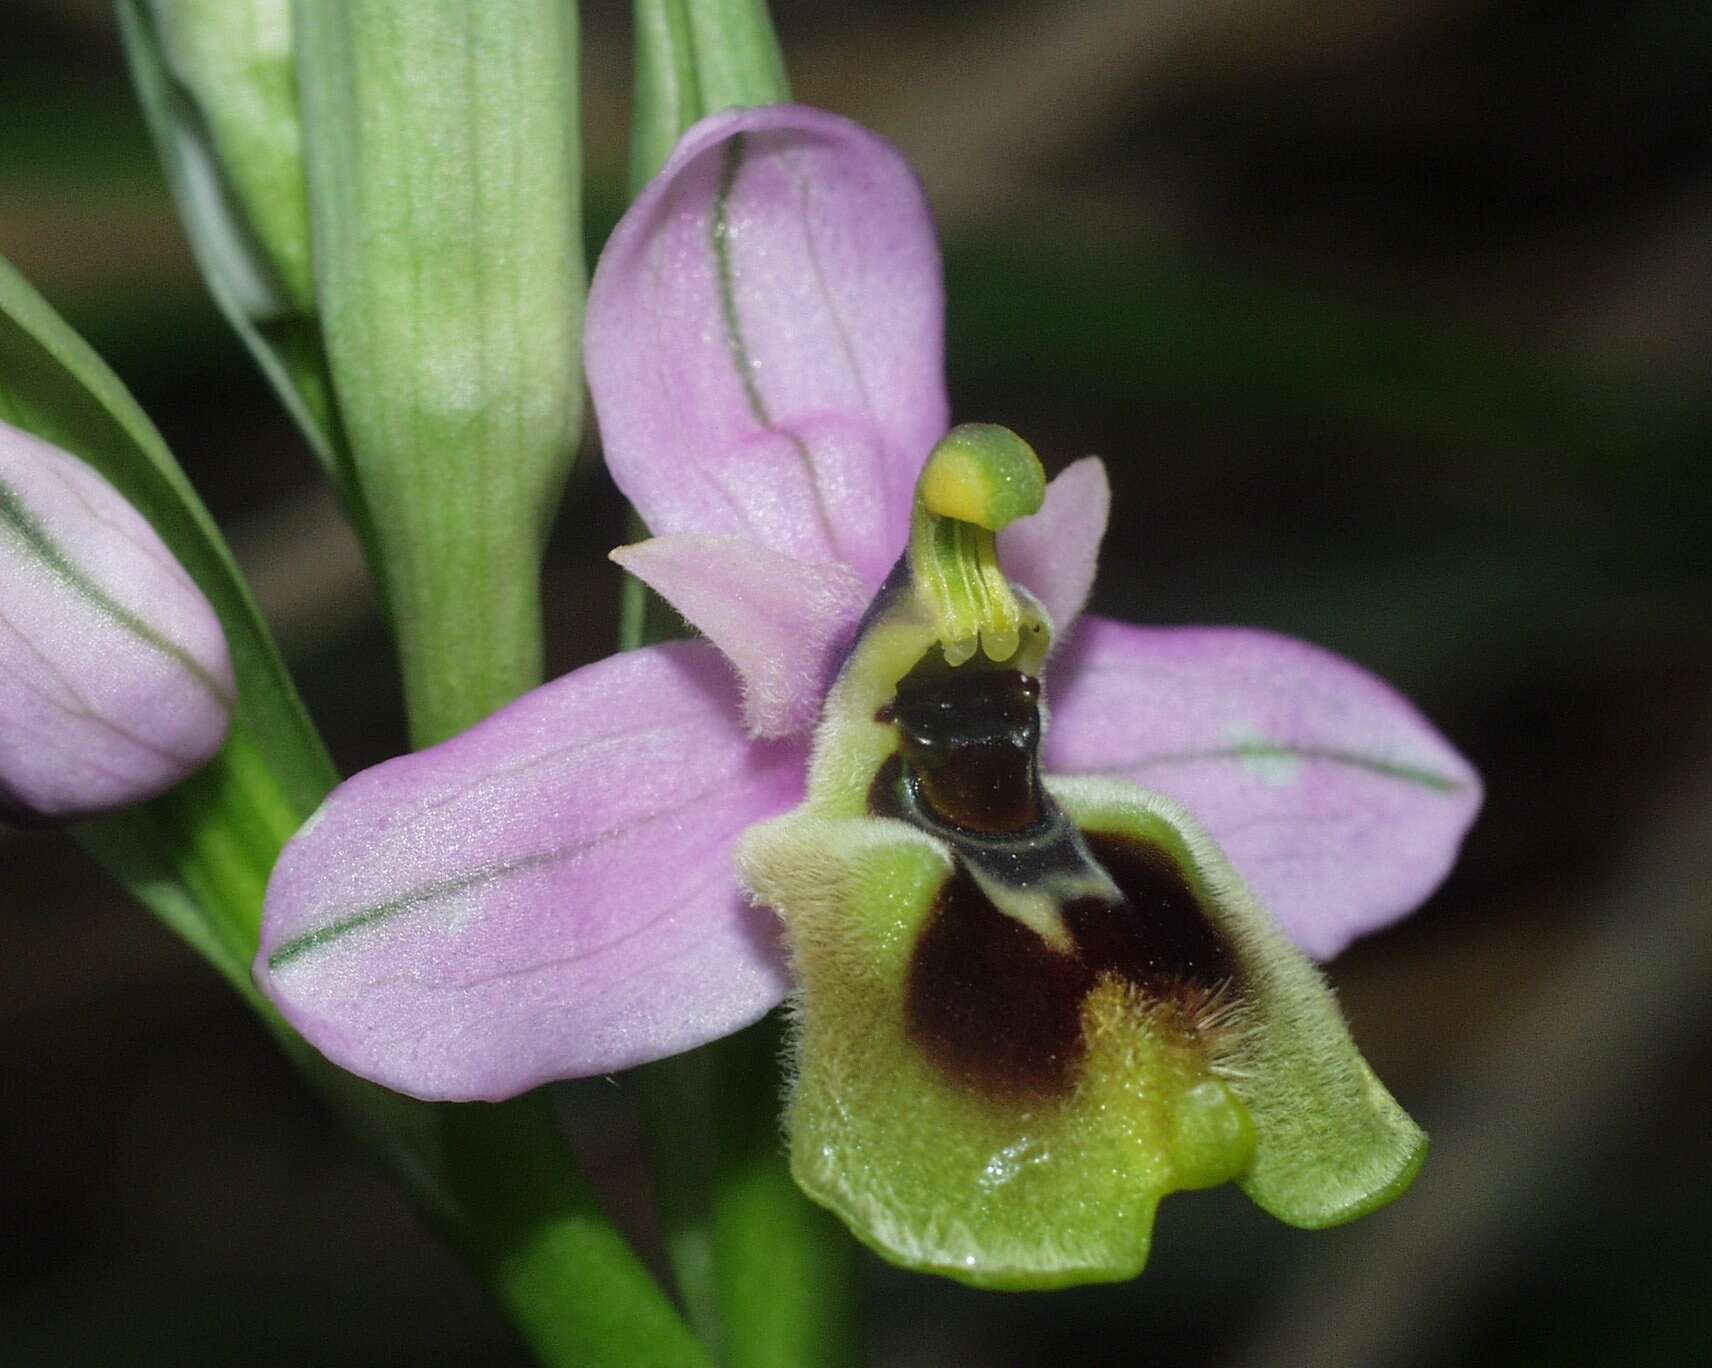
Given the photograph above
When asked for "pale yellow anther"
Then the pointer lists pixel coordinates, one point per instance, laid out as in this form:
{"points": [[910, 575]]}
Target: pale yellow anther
{"points": [[983, 474], [978, 480], [953, 487]]}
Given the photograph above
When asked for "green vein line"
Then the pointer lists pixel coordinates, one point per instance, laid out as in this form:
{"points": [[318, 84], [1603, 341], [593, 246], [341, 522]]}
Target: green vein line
{"points": [[1263, 750], [323, 936], [17, 519], [721, 233]]}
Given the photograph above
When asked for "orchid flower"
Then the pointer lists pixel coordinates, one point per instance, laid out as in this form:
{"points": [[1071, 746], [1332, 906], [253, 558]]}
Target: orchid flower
{"points": [[115, 682], [1048, 968]]}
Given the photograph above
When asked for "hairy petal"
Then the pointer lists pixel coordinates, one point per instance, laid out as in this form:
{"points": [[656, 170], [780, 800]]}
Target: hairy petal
{"points": [[764, 339], [780, 622], [548, 895], [115, 682], [1054, 553], [1332, 796]]}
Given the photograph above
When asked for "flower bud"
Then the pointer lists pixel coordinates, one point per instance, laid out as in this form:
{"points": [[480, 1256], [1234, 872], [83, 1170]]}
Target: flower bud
{"points": [[115, 683], [233, 59]]}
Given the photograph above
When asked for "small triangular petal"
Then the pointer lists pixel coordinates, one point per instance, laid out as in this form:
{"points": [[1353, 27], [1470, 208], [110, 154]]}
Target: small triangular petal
{"points": [[780, 622], [548, 895], [764, 340], [1054, 553], [1334, 797]]}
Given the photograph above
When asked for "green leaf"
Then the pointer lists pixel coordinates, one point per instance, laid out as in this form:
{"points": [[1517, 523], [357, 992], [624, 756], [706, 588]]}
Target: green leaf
{"points": [[197, 856], [444, 179]]}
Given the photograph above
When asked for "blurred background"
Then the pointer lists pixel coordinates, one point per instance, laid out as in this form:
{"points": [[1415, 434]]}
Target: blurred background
{"points": [[1392, 321]]}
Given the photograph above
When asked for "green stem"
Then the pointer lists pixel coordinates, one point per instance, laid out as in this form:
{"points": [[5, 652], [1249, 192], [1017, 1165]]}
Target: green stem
{"points": [[667, 94], [766, 1276], [534, 1228], [737, 56], [677, 1109]]}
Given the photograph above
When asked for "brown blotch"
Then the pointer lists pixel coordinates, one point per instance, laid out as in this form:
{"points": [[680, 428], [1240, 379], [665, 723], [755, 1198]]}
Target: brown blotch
{"points": [[1000, 1010], [1159, 937], [990, 1002]]}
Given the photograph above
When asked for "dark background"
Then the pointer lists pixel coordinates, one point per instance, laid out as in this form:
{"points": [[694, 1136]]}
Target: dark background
{"points": [[1391, 319]]}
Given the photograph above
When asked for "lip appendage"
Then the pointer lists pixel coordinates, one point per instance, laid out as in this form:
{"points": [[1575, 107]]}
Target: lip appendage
{"points": [[1031, 1007]]}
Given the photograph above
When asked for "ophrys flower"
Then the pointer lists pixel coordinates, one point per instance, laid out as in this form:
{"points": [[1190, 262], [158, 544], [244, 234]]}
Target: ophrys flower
{"points": [[1003, 1066]]}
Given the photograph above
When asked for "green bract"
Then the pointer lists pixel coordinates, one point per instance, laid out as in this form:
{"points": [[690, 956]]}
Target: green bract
{"points": [[443, 164], [1031, 1008]]}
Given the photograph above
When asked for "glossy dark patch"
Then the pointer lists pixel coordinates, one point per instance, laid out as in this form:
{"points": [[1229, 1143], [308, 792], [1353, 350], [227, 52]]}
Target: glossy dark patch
{"points": [[968, 738], [990, 1002], [886, 793]]}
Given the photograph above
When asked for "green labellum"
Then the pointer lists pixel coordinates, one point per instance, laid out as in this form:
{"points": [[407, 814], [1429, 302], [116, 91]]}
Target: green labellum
{"points": [[1031, 1008]]}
